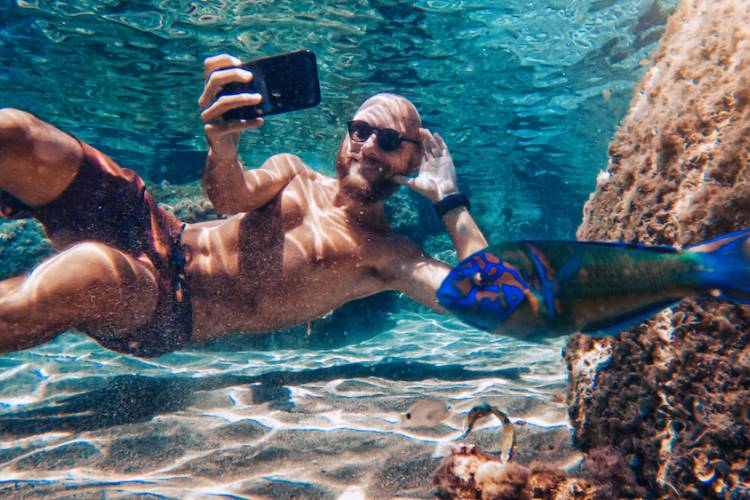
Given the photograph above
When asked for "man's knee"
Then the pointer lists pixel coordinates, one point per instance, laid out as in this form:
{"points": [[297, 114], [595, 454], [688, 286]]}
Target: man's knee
{"points": [[14, 125], [37, 160]]}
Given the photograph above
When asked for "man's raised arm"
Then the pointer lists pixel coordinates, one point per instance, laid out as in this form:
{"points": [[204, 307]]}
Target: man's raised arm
{"points": [[230, 188], [437, 181]]}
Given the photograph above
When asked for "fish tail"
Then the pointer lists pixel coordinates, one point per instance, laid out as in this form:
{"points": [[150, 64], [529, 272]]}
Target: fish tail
{"points": [[724, 266]]}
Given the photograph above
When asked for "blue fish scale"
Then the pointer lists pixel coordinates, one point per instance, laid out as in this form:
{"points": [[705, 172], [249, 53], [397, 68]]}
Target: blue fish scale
{"points": [[509, 297]]}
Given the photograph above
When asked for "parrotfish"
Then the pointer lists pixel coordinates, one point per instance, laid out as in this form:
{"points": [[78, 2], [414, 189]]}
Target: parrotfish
{"points": [[541, 289]]}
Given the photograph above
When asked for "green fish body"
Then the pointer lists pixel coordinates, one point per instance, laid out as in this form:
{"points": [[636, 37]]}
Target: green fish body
{"points": [[531, 289]]}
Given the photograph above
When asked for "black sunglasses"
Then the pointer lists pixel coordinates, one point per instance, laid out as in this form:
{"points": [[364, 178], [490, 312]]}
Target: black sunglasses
{"points": [[388, 139]]}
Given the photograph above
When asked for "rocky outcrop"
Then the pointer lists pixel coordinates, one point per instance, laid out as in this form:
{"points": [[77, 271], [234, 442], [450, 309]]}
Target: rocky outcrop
{"points": [[673, 395]]}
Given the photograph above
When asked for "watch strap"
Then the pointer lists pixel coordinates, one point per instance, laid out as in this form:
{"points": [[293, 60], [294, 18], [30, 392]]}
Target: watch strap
{"points": [[450, 202]]}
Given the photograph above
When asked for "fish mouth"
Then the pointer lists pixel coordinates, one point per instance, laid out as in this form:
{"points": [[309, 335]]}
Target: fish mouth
{"points": [[448, 294], [478, 299]]}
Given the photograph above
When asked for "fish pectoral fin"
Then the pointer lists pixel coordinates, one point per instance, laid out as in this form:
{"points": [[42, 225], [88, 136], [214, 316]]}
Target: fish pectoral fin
{"points": [[612, 325]]}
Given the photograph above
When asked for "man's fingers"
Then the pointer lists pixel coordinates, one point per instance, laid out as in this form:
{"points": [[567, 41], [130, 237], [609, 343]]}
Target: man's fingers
{"points": [[433, 145], [218, 79], [223, 128], [240, 125], [426, 138], [228, 102], [440, 143], [211, 64], [404, 181]]}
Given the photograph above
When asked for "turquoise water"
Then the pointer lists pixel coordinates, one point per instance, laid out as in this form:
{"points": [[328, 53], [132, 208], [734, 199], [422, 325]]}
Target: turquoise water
{"points": [[526, 95]]}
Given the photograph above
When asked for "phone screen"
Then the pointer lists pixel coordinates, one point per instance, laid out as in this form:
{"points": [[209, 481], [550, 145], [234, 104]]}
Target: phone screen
{"points": [[287, 82]]}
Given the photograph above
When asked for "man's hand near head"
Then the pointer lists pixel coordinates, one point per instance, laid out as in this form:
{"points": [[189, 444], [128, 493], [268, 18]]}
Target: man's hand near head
{"points": [[436, 178]]}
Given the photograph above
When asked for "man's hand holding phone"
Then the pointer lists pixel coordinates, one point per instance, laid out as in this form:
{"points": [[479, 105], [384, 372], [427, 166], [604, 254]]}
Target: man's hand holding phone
{"points": [[236, 94], [223, 136]]}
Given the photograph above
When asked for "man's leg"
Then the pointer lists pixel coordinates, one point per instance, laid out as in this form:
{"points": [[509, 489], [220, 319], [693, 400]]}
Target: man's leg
{"points": [[37, 160], [89, 286]]}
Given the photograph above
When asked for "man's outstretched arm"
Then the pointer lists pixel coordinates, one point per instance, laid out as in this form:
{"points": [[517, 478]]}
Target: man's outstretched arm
{"points": [[437, 180], [405, 268], [227, 184]]}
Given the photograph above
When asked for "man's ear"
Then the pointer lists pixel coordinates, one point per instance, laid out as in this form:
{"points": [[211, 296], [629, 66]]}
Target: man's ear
{"points": [[415, 161]]}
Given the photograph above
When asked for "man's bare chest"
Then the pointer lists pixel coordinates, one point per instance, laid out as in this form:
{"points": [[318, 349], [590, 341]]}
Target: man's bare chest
{"points": [[323, 244]]}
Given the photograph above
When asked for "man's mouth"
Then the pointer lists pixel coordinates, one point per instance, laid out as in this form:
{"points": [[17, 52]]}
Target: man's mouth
{"points": [[365, 167]]}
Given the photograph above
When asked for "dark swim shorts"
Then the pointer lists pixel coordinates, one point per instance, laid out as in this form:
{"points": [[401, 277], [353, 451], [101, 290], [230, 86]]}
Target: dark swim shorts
{"points": [[109, 204]]}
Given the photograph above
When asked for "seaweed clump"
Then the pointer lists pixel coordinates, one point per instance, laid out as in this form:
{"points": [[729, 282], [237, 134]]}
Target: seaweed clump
{"points": [[470, 473]]}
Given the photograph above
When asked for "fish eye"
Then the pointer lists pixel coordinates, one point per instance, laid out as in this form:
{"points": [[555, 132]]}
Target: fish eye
{"points": [[408, 416]]}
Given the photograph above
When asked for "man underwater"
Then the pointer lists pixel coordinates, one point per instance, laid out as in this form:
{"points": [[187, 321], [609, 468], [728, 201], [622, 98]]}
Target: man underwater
{"points": [[296, 244]]}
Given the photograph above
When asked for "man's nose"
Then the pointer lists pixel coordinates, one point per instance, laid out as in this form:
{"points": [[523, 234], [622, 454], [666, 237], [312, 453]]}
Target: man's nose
{"points": [[370, 146]]}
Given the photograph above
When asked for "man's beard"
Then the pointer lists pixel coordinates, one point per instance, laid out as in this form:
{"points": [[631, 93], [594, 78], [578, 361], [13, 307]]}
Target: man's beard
{"points": [[379, 190], [361, 189]]}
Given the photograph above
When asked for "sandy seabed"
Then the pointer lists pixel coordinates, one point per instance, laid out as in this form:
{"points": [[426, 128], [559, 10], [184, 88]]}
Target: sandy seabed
{"points": [[81, 422]]}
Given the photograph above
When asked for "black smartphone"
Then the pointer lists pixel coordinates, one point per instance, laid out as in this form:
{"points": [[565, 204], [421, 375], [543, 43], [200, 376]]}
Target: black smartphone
{"points": [[287, 82]]}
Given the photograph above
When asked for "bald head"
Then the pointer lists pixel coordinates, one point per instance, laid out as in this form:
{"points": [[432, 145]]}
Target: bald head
{"points": [[393, 111]]}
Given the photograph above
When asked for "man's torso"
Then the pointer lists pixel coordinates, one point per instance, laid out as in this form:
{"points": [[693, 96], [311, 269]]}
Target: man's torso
{"points": [[290, 261]]}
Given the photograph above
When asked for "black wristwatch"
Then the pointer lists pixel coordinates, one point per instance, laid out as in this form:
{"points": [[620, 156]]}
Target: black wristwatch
{"points": [[450, 202]]}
